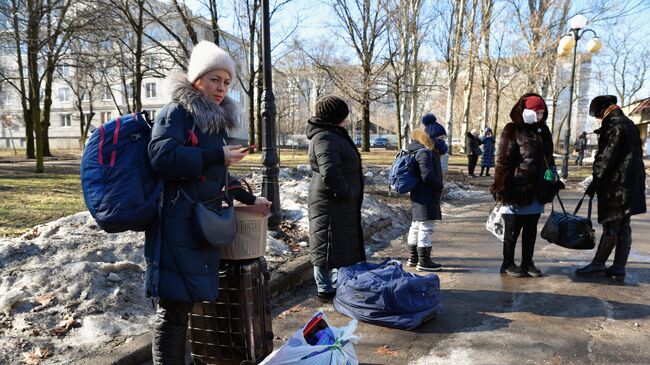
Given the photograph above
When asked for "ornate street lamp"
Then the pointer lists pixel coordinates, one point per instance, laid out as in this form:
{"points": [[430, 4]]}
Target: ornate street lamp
{"points": [[270, 188], [568, 41]]}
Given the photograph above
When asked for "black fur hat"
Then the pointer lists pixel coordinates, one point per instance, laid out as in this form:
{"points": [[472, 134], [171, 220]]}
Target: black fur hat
{"points": [[600, 103]]}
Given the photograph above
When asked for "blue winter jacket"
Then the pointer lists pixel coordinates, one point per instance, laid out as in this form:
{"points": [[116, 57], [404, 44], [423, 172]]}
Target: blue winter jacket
{"points": [[181, 265]]}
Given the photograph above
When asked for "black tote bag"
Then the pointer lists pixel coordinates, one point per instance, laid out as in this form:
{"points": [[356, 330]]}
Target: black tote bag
{"points": [[570, 230]]}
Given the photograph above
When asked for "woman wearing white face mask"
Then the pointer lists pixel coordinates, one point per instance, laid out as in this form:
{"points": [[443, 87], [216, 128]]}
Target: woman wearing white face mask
{"points": [[525, 152]]}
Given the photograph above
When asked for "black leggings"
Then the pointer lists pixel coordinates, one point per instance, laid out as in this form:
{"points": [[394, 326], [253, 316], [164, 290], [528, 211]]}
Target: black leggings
{"points": [[514, 225], [471, 163], [170, 332]]}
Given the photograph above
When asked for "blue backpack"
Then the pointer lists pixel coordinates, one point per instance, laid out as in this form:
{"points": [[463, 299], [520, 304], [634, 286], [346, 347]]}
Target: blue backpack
{"points": [[403, 173], [119, 186], [386, 295]]}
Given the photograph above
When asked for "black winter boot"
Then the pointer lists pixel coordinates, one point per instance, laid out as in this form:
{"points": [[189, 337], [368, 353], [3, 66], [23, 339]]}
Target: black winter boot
{"points": [[605, 246], [424, 260], [623, 245], [413, 260]]}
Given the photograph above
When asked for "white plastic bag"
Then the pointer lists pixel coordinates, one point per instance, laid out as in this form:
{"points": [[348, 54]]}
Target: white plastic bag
{"points": [[296, 349], [495, 223]]}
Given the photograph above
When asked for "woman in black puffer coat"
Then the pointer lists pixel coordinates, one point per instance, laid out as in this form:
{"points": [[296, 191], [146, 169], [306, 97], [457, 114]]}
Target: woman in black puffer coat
{"points": [[335, 195]]}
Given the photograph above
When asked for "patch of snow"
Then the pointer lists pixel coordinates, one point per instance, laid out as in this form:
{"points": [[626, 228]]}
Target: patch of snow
{"points": [[275, 247], [369, 175], [455, 191], [584, 184]]}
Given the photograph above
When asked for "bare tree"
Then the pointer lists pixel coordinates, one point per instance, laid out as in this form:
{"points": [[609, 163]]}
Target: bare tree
{"points": [[363, 25], [474, 38], [450, 44], [627, 63], [405, 35]]}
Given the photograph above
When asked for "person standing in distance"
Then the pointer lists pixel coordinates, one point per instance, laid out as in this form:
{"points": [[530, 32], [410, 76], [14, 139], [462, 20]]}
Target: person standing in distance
{"points": [[619, 182]]}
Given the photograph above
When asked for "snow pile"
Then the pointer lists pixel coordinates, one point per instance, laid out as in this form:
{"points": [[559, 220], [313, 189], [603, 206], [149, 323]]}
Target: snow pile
{"points": [[584, 184], [456, 191], [66, 286]]}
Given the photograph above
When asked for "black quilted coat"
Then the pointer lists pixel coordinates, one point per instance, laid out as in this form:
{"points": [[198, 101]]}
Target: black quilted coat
{"points": [[335, 197], [618, 169], [522, 157]]}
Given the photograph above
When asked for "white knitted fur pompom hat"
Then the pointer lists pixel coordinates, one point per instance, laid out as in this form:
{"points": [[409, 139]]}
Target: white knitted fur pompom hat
{"points": [[207, 56]]}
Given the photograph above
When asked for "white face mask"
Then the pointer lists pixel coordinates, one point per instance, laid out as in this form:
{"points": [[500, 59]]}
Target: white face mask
{"points": [[530, 116]]}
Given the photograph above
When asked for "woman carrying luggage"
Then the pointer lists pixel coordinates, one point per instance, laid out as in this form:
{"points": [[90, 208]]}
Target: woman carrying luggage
{"points": [[525, 152], [487, 158], [335, 195], [427, 145], [189, 150]]}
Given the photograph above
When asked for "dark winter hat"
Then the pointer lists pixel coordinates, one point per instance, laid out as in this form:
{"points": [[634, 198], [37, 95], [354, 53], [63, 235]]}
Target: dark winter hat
{"points": [[429, 118], [432, 127], [488, 130], [600, 103], [332, 109]]}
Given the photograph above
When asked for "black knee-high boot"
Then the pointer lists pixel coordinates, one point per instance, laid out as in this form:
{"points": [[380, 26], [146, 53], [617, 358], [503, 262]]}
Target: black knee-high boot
{"points": [[623, 245], [607, 243], [510, 235]]}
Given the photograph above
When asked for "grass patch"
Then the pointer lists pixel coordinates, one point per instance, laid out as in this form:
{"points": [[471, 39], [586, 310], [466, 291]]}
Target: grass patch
{"points": [[29, 199]]}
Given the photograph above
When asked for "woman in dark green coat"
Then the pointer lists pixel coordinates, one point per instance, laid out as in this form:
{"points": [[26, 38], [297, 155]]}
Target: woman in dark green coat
{"points": [[335, 195]]}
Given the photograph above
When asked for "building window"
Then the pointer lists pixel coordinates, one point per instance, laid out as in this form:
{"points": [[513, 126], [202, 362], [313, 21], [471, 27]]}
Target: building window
{"points": [[150, 89], [86, 118], [66, 120], [151, 62], [5, 97], [106, 93], [64, 70], [64, 94], [105, 117], [85, 95]]}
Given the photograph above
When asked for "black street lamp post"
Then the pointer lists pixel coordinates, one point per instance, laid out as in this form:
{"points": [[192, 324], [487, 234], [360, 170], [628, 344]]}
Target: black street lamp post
{"points": [[270, 187], [570, 40]]}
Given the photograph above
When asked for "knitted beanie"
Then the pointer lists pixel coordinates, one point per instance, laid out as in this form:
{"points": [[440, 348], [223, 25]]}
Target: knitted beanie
{"points": [[207, 56], [535, 103], [600, 103], [432, 127], [332, 109]]}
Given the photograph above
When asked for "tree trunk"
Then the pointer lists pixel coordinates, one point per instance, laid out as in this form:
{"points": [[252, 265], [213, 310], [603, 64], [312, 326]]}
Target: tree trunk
{"points": [[34, 90], [260, 93], [47, 105], [365, 121], [471, 66], [451, 91], [398, 116], [497, 99]]}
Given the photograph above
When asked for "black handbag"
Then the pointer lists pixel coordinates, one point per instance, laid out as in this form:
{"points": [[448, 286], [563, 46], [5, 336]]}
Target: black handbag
{"points": [[570, 230], [218, 227]]}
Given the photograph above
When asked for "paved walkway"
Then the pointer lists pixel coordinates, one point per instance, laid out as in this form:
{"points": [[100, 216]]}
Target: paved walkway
{"points": [[490, 318]]}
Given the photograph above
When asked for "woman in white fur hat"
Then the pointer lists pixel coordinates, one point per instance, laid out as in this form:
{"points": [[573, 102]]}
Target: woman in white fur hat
{"points": [[189, 150]]}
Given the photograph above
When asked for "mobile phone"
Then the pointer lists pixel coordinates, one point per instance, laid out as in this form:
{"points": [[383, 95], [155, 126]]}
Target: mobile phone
{"points": [[250, 147]]}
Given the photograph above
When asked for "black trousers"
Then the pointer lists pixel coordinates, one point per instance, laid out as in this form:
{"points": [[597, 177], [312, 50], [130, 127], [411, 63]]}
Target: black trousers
{"points": [[170, 332], [526, 225], [471, 163], [616, 234]]}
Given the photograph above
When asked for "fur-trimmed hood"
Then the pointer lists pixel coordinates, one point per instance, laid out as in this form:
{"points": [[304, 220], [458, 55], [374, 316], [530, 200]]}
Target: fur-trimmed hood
{"points": [[208, 116], [422, 137]]}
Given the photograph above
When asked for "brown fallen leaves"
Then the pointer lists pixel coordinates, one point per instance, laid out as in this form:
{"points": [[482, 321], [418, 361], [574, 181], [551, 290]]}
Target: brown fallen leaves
{"points": [[295, 309], [35, 357], [66, 325], [385, 351], [44, 301]]}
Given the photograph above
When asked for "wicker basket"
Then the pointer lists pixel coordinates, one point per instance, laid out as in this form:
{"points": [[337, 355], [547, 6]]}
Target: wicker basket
{"points": [[250, 242]]}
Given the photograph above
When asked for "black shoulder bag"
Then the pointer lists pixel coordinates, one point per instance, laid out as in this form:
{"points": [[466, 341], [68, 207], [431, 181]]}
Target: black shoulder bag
{"points": [[570, 230]]}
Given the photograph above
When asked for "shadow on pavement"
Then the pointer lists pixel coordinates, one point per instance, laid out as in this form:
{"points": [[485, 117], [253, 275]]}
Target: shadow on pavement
{"points": [[466, 310]]}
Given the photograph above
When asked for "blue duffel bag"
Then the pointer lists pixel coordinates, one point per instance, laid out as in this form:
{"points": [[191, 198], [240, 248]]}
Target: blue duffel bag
{"points": [[386, 295]]}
